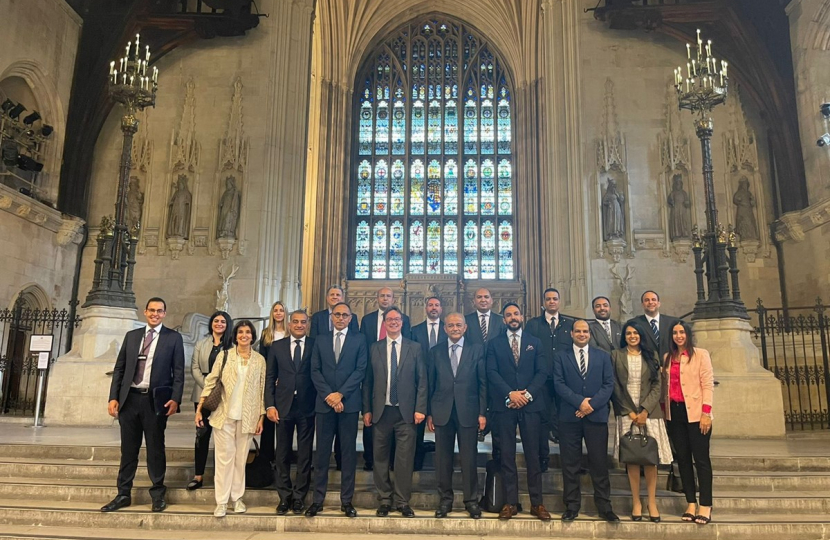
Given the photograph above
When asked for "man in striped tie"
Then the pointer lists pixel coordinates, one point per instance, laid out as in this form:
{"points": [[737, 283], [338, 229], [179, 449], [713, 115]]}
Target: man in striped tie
{"points": [[659, 324]]}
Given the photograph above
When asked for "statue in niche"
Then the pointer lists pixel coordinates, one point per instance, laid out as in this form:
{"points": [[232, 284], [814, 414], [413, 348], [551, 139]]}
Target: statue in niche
{"points": [[135, 203], [680, 221], [229, 210], [613, 216], [178, 217], [746, 227]]}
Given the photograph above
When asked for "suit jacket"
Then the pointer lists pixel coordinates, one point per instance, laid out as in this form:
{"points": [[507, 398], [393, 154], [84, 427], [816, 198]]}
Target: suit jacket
{"points": [[697, 379], [650, 386], [320, 324], [343, 376], [572, 389], [167, 368], [420, 334], [473, 334], [283, 378], [369, 327], [253, 390], [666, 324], [467, 389], [505, 376], [200, 366], [555, 341], [412, 381], [599, 338]]}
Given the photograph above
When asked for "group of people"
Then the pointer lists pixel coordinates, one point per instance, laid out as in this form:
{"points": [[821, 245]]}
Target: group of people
{"points": [[554, 378]]}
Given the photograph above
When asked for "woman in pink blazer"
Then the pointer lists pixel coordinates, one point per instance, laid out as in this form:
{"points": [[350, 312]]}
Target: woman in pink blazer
{"points": [[688, 387]]}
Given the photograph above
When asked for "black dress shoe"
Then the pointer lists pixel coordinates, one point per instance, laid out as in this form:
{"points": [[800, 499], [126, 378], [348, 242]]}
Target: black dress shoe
{"points": [[609, 516], [442, 512], [297, 506], [194, 484], [406, 511], [349, 510], [313, 510], [283, 506], [368, 466], [474, 510], [570, 515], [159, 505], [383, 510], [119, 502]]}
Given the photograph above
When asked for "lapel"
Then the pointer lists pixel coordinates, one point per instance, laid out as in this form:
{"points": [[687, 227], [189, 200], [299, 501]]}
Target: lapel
{"points": [[290, 356], [161, 341], [623, 367], [403, 356], [574, 361], [522, 349]]}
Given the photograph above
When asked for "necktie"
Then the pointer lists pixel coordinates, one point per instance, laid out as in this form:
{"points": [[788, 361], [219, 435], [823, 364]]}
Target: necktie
{"points": [[454, 359], [393, 374], [515, 347], [607, 326], [337, 345], [553, 325], [145, 349], [433, 335], [656, 331], [484, 328], [330, 327], [583, 367], [382, 334], [298, 354]]}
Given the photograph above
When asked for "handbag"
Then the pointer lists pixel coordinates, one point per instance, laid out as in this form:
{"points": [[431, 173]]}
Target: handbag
{"points": [[639, 448], [258, 471], [492, 499], [211, 403], [674, 482]]}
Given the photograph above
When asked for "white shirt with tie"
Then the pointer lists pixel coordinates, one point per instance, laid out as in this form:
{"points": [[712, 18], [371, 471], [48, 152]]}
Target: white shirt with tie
{"points": [[655, 319], [606, 327], [342, 340], [486, 316], [576, 353], [459, 346], [389, 342], [151, 352], [294, 346], [430, 326], [553, 320]]}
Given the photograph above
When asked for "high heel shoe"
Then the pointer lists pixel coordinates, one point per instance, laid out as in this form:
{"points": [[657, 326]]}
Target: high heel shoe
{"points": [[636, 518], [655, 519], [704, 520]]}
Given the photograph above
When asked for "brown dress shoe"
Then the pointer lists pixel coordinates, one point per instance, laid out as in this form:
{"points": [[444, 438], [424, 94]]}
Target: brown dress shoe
{"points": [[507, 512], [540, 512]]}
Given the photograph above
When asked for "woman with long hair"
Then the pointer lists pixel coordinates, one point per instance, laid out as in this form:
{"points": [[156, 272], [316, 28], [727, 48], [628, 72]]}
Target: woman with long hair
{"points": [[205, 352], [277, 327], [689, 387], [636, 401], [238, 417]]}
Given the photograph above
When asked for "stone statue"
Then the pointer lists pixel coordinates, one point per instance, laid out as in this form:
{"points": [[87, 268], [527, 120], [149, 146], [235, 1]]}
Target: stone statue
{"points": [[613, 217], [178, 217], [229, 210], [624, 280], [746, 226], [223, 295], [135, 203], [680, 221]]}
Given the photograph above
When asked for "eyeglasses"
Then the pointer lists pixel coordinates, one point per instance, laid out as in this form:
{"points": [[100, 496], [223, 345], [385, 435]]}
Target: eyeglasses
{"points": [[154, 311], [341, 315], [393, 319]]}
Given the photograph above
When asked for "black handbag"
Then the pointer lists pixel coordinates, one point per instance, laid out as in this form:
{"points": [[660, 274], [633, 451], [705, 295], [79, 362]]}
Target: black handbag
{"points": [[638, 448], [493, 498], [674, 482], [258, 471], [211, 403]]}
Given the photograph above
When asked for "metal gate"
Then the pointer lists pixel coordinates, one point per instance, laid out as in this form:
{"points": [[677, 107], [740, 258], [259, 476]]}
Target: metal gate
{"points": [[794, 346], [18, 368]]}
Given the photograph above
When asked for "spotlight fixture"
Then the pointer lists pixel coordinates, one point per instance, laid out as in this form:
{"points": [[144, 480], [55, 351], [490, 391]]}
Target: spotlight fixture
{"points": [[32, 118], [8, 104], [25, 163], [46, 130], [15, 112]]}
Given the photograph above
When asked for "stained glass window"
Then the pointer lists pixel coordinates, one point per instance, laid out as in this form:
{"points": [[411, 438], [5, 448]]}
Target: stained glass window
{"points": [[433, 165]]}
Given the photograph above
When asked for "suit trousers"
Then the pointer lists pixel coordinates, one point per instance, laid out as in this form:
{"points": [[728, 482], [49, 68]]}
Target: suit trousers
{"points": [[202, 443], [138, 419], [530, 428], [570, 448], [267, 440], [691, 445], [391, 426], [368, 446], [231, 453], [304, 426], [345, 425], [445, 437]]}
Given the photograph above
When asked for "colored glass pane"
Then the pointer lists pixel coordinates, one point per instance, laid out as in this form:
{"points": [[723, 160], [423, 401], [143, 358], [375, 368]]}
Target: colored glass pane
{"points": [[488, 188], [366, 123], [470, 250], [488, 250], [361, 270], [470, 188], [418, 127], [470, 127], [450, 188], [450, 127], [505, 250], [434, 134], [396, 234], [382, 128], [433, 248], [434, 188], [381, 188], [416, 247], [450, 248], [487, 130], [364, 188], [504, 125], [398, 128], [398, 193], [416, 188], [505, 188], [379, 250]]}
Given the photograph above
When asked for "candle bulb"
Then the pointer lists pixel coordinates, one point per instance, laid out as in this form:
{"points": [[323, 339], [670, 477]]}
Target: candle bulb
{"points": [[147, 55], [129, 44], [688, 69], [687, 86], [721, 78], [112, 67], [136, 44], [709, 48], [688, 51], [132, 79], [694, 67]]}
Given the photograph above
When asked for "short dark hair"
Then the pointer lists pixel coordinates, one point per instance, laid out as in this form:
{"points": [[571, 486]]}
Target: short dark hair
{"points": [[646, 292], [390, 310], [338, 287], [343, 304], [507, 305], [298, 312], [603, 297], [551, 289], [227, 340], [433, 298], [240, 324], [156, 299]]}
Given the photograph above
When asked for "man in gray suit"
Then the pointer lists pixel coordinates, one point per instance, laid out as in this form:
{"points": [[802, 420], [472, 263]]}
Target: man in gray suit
{"points": [[605, 331], [458, 404], [395, 401]]}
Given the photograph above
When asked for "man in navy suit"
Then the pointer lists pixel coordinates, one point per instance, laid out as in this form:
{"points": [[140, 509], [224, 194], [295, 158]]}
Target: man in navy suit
{"points": [[321, 321], [338, 366], [150, 364], [290, 397], [517, 370], [584, 380]]}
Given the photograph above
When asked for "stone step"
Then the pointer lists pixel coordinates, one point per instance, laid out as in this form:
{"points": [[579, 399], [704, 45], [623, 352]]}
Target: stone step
{"points": [[138, 519]]}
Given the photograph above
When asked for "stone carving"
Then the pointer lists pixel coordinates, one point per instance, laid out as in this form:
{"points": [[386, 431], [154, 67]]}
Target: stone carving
{"points": [[70, 230], [135, 203], [223, 295], [613, 214], [680, 220], [624, 281], [746, 226], [229, 210], [179, 208]]}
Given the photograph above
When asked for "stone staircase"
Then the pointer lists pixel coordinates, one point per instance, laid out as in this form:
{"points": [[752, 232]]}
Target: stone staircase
{"points": [[51, 491]]}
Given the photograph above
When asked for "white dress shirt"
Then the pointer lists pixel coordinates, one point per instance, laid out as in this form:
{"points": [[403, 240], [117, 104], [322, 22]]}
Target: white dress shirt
{"points": [[389, 342], [302, 345], [342, 338], [549, 318], [151, 352], [587, 356], [487, 315]]}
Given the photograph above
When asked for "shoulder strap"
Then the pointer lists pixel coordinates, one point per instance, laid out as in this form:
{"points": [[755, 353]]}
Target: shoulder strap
{"points": [[224, 360]]}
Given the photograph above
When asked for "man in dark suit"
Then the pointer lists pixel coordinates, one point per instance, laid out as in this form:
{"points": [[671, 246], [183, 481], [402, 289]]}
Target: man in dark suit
{"points": [[584, 380], [483, 324], [395, 394], [373, 332], [321, 321], [338, 365], [605, 331], [457, 408], [517, 370], [429, 333], [290, 397], [659, 324], [147, 386]]}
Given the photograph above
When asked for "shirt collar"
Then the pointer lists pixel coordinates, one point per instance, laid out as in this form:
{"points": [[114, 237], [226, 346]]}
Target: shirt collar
{"points": [[549, 317], [460, 343], [577, 349], [157, 329], [486, 313], [656, 318], [517, 332], [334, 331], [397, 340], [293, 339]]}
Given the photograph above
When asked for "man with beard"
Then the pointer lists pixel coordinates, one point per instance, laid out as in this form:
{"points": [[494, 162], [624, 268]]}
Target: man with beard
{"points": [[605, 331]]}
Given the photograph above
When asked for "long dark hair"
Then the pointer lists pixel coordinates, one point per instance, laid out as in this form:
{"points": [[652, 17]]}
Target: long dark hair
{"points": [[227, 338], [649, 354], [674, 350]]}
